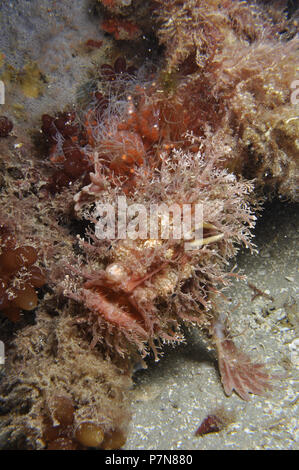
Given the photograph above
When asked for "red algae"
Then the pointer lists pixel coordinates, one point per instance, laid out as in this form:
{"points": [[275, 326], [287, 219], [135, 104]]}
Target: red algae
{"points": [[121, 29], [18, 276], [209, 425], [215, 422]]}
